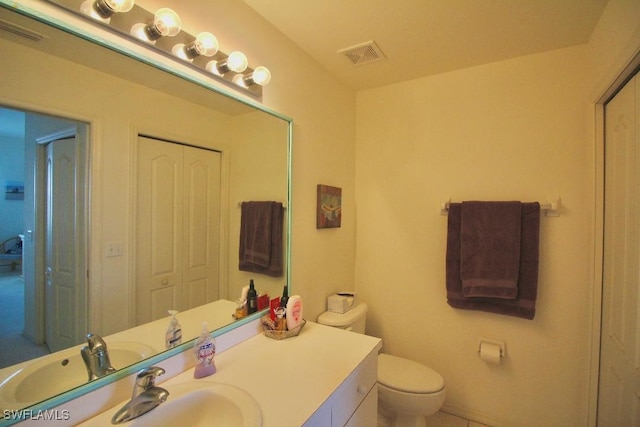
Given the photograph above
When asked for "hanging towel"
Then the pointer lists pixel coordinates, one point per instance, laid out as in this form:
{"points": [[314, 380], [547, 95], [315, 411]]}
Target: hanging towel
{"points": [[524, 305], [261, 238], [490, 249]]}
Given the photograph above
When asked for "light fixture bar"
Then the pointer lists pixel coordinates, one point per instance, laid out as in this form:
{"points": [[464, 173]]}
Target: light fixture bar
{"points": [[180, 46]]}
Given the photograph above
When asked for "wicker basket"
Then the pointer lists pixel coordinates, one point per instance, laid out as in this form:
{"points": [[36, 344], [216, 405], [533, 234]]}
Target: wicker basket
{"points": [[280, 335]]}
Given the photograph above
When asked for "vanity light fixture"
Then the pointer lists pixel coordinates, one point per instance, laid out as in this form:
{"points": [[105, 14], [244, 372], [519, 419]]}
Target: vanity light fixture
{"points": [[163, 33], [103, 10], [260, 76], [205, 44], [166, 23]]}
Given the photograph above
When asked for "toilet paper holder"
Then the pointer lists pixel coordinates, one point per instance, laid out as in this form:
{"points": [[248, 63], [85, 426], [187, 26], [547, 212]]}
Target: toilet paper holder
{"points": [[501, 344]]}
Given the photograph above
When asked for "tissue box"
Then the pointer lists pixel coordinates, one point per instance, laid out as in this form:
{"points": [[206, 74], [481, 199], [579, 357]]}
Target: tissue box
{"points": [[341, 302]]}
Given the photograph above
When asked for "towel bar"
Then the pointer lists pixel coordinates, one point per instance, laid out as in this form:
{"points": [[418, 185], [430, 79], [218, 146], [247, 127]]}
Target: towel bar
{"points": [[551, 208], [284, 205]]}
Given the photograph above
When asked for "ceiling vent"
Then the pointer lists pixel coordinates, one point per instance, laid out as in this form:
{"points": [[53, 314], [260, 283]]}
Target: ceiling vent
{"points": [[21, 31], [364, 53]]}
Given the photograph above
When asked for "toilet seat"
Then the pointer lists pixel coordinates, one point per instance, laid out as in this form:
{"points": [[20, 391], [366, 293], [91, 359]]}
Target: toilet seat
{"points": [[407, 376]]}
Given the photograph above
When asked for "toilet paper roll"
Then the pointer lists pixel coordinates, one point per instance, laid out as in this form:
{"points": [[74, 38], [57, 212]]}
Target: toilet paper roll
{"points": [[490, 353]]}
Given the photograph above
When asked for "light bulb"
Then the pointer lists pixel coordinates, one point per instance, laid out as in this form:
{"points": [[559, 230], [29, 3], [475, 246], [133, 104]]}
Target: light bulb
{"points": [[167, 22], [237, 61], [103, 10], [205, 44], [261, 76], [179, 51], [213, 68]]}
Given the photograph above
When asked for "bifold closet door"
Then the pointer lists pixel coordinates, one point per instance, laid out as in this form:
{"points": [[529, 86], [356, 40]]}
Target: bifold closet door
{"points": [[177, 228]]}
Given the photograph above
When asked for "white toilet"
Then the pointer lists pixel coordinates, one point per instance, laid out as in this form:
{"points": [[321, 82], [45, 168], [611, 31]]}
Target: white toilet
{"points": [[407, 391]]}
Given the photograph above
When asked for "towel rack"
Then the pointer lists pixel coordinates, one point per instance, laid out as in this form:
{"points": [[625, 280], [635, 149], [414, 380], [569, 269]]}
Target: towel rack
{"points": [[551, 208], [284, 205]]}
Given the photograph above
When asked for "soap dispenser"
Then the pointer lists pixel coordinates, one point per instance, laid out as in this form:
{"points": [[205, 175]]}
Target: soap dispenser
{"points": [[173, 336], [204, 350]]}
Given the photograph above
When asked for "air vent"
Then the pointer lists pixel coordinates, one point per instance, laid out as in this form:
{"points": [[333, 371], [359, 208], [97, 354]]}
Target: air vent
{"points": [[16, 29], [364, 53]]}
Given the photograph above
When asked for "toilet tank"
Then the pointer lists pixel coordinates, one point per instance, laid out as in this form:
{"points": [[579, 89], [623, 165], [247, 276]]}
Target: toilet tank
{"points": [[353, 320]]}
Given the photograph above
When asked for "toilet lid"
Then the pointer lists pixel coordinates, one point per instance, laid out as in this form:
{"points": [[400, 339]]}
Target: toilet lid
{"points": [[408, 376]]}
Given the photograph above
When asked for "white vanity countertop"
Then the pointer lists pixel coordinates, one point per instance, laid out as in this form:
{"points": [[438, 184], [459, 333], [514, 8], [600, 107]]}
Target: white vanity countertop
{"points": [[291, 378]]}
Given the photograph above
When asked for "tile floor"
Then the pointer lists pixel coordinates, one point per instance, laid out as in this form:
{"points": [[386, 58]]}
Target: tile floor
{"points": [[442, 419]]}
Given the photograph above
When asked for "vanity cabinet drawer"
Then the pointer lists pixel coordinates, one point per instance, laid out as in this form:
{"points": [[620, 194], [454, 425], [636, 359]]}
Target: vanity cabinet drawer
{"points": [[357, 386]]}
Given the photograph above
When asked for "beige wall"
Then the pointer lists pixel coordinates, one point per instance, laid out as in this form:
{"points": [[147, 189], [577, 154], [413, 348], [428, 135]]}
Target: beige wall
{"points": [[520, 129]]}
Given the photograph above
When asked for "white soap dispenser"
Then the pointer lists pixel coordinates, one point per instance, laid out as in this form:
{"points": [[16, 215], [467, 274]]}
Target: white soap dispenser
{"points": [[173, 336]]}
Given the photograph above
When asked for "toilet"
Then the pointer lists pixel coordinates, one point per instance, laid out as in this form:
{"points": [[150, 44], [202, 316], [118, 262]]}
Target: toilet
{"points": [[407, 391]]}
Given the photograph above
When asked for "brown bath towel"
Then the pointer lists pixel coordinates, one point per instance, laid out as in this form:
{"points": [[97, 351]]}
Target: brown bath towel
{"points": [[490, 249], [261, 238], [524, 305]]}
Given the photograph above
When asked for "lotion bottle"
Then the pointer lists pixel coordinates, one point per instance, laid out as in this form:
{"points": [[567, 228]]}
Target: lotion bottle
{"points": [[204, 350], [173, 337]]}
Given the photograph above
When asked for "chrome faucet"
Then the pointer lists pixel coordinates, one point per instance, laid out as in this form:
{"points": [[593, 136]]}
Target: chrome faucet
{"points": [[96, 357], [146, 396]]}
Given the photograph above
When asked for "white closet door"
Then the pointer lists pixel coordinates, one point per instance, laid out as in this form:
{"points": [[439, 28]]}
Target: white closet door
{"points": [[159, 229], [177, 228], [201, 254], [619, 392]]}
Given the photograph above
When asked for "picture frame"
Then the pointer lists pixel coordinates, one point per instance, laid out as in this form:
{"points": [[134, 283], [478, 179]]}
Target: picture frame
{"points": [[14, 190], [329, 207]]}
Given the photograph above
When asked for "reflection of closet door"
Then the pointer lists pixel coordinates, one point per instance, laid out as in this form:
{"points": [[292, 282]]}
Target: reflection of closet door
{"points": [[177, 228], [201, 207], [619, 393]]}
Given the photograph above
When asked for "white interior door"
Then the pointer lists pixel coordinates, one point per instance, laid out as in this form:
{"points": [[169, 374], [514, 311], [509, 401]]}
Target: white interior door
{"points": [[64, 218], [177, 228], [619, 390]]}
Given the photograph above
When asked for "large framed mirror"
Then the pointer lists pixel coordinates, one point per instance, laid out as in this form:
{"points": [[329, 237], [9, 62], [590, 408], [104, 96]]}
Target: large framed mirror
{"points": [[121, 107]]}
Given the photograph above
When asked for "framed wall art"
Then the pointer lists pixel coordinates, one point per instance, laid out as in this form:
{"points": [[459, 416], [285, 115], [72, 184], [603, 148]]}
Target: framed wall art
{"points": [[329, 209]]}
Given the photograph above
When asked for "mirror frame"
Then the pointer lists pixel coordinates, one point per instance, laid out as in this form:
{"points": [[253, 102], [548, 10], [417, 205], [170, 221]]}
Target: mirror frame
{"points": [[153, 60]]}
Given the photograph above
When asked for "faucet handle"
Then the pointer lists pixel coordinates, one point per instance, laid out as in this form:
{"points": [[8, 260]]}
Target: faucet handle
{"points": [[147, 377]]}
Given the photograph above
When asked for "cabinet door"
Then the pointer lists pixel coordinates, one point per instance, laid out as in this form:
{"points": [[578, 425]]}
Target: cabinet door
{"points": [[367, 413], [358, 385]]}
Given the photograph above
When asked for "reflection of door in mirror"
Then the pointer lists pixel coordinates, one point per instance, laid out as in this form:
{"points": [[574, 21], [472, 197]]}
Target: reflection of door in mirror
{"points": [[177, 232], [64, 287], [37, 318]]}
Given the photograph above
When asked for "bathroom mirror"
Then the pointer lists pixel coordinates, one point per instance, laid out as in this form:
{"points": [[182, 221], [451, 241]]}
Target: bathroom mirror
{"points": [[50, 68]]}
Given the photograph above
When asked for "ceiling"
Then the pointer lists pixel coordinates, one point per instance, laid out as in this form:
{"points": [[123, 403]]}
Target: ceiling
{"points": [[426, 37]]}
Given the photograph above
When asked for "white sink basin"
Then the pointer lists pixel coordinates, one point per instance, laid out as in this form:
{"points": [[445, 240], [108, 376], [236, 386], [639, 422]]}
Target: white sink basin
{"points": [[51, 375], [197, 403]]}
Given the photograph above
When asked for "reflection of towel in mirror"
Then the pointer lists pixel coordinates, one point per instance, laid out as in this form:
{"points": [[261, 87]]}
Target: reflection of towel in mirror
{"points": [[490, 249], [261, 238], [524, 305]]}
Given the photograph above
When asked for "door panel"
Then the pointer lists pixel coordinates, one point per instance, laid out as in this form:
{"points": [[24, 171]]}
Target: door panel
{"points": [[60, 253], [619, 390]]}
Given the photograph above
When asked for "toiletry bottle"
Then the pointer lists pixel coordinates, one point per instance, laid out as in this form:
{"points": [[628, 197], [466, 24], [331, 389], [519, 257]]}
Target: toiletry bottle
{"points": [[205, 350], [252, 298], [294, 312], [285, 297], [173, 337]]}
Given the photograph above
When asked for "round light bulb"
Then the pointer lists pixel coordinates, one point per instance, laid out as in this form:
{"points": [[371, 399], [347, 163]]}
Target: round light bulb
{"points": [[179, 51], [212, 67], [120, 6], [261, 76], [237, 61], [206, 44], [167, 22]]}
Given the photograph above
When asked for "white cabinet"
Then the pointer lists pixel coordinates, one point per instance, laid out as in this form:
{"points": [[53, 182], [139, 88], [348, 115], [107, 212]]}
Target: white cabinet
{"points": [[355, 402]]}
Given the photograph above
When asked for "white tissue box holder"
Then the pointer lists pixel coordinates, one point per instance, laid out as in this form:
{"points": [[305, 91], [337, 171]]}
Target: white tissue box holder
{"points": [[341, 302]]}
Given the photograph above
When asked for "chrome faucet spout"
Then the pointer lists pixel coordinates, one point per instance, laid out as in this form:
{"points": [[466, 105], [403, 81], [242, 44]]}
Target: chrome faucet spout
{"points": [[96, 357], [146, 396]]}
